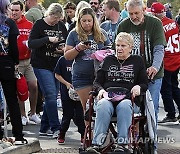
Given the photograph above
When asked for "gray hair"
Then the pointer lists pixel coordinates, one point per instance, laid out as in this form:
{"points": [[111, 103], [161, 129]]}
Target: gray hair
{"points": [[55, 9], [134, 3], [79, 7], [125, 37]]}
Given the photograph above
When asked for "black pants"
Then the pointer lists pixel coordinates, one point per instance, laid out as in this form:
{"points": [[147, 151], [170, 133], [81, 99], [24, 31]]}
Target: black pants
{"points": [[170, 92], [72, 109], [9, 89]]}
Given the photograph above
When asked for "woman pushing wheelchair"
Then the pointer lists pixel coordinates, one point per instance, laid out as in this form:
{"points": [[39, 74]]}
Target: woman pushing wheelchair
{"points": [[119, 77]]}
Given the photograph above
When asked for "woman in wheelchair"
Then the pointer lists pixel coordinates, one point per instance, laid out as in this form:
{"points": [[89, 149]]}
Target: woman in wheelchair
{"points": [[119, 77]]}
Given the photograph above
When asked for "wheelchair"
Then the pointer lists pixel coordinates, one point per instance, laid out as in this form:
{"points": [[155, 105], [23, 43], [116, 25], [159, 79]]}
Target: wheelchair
{"points": [[140, 143]]}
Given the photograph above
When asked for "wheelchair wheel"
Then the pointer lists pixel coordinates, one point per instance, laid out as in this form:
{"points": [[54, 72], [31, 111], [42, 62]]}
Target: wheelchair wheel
{"points": [[149, 147], [137, 151], [82, 151]]}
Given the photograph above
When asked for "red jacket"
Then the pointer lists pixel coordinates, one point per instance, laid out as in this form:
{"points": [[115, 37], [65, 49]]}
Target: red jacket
{"points": [[172, 51], [24, 27]]}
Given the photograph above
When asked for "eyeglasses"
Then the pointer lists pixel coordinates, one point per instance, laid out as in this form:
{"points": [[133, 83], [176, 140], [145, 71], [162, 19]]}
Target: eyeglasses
{"points": [[95, 3]]}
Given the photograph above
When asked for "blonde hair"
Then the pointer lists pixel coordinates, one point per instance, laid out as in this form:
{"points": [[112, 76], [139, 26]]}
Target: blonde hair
{"points": [[125, 37], [97, 33], [79, 7], [55, 9]]}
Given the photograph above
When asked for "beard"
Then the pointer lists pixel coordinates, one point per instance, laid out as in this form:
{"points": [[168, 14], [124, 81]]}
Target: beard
{"points": [[138, 22], [94, 8]]}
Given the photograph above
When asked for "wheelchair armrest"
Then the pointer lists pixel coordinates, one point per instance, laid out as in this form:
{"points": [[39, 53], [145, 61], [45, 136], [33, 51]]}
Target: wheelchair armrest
{"points": [[139, 100]]}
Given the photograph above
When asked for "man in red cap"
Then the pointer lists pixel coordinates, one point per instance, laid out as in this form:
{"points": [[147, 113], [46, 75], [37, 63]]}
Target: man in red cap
{"points": [[25, 26], [169, 90]]}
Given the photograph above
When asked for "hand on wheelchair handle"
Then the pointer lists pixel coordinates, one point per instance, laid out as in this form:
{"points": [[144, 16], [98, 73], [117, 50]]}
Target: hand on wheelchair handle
{"points": [[151, 71], [136, 91]]}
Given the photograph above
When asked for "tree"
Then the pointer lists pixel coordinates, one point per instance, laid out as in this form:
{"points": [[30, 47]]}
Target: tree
{"points": [[121, 2], [149, 2], [46, 3], [174, 3]]}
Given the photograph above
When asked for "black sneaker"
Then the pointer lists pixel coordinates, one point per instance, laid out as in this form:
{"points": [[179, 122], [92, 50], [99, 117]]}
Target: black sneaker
{"points": [[93, 149], [178, 118], [169, 121], [47, 133], [21, 141], [61, 138], [122, 149]]}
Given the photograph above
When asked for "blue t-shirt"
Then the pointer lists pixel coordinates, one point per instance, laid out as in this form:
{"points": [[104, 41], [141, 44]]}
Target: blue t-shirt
{"points": [[110, 28], [83, 63], [124, 14], [63, 68]]}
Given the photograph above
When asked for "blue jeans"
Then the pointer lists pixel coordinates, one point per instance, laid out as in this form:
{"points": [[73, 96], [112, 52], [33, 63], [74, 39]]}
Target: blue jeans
{"points": [[170, 92], [49, 86], [80, 80], [154, 89], [104, 113]]}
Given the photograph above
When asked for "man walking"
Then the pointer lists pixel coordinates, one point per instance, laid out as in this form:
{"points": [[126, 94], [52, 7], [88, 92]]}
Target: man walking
{"points": [[170, 91], [25, 67], [149, 43], [33, 13], [111, 9]]}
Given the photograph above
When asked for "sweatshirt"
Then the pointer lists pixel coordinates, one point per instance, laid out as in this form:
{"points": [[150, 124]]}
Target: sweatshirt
{"points": [[172, 51], [24, 27]]}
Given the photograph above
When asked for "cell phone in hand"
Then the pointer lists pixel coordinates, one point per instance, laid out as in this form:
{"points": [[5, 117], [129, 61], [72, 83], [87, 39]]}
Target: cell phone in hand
{"points": [[87, 42], [61, 46]]}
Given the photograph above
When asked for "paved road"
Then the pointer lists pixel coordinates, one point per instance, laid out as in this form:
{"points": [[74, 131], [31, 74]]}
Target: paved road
{"points": [[169, 138]]}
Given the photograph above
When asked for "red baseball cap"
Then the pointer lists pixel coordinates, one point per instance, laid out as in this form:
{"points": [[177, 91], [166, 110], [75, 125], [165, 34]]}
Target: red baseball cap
{"points": [[157, 7], [22, 88]]}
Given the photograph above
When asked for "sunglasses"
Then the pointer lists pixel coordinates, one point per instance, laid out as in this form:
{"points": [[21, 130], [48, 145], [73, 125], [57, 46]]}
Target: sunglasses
{"points": [[95, 3]]}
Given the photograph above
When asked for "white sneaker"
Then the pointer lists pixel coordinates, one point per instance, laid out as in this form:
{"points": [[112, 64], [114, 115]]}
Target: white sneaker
{"points": [[24, 120], [35, 118], [48, 133], [55, 134]]}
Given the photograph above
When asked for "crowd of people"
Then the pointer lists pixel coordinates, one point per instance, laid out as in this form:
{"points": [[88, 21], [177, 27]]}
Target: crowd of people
{"points": [[52, 48]]}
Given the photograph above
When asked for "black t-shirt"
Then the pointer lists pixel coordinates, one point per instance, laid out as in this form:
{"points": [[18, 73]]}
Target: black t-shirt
{"points": [[8, 49], [63, 68], [44, 54], [8, 35], [112, 74]]}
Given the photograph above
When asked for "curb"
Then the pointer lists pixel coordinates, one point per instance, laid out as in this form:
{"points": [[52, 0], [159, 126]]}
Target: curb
{"points": [[32, 146]]}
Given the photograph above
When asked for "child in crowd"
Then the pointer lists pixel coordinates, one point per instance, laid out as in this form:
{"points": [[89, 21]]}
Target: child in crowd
{"points": [[69, 9], [71, 107]]}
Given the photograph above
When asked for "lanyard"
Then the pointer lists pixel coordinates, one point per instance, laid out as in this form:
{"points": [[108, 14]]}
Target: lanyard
{"points": [[111, 32]]}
